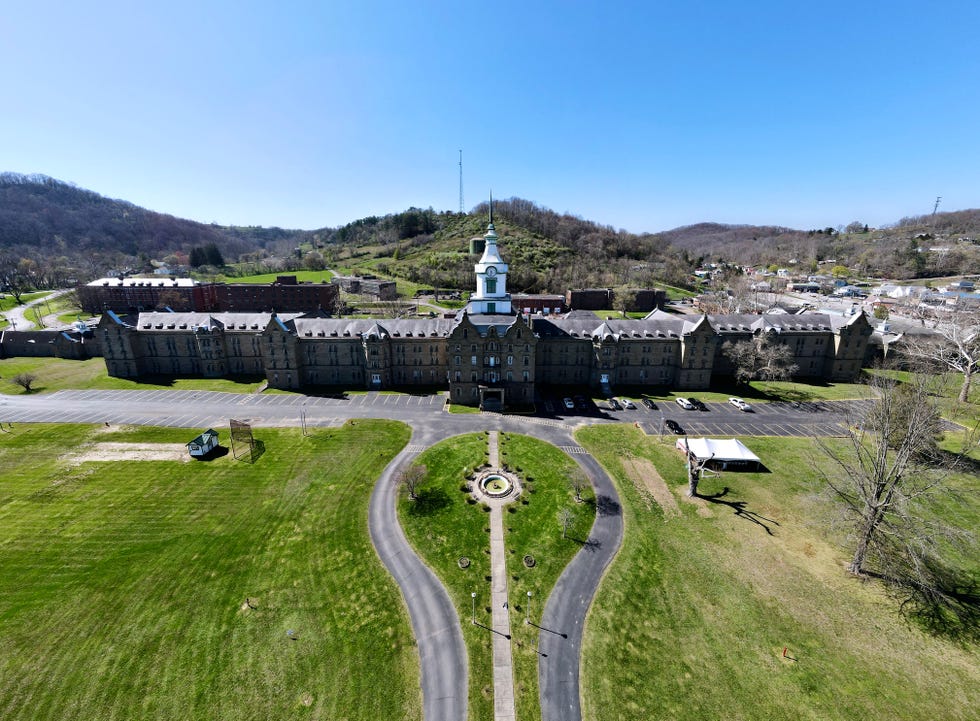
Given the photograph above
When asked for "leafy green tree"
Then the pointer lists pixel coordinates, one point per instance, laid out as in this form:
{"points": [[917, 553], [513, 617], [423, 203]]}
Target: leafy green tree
{"points": [[213, 255]]}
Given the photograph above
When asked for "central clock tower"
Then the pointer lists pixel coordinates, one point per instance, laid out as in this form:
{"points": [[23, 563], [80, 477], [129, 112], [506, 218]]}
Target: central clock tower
{"points": [[491, 277]]}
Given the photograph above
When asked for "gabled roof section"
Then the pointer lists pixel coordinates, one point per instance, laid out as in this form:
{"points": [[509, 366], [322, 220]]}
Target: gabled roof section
{"points": [[376, 332], [604, 333]]}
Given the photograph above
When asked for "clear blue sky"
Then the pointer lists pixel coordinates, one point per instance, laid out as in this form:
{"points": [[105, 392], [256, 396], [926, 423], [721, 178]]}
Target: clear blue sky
{"points": [[640, 115]]}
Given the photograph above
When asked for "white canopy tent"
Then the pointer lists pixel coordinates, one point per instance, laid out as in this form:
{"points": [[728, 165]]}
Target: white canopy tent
{"points": [[723, 453]]}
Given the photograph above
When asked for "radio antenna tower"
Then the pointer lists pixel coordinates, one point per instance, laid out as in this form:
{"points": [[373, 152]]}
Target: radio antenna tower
{"points": [[934, 208], [460, 182]]}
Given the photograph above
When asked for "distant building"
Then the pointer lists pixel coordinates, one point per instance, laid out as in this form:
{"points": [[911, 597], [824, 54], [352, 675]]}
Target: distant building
{"points": [[368, 285], [130, 295]]}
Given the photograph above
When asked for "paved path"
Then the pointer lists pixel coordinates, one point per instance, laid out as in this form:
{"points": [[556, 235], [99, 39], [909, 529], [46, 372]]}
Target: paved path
{"points": [[18, 318], [563, 620], [503, 662]]}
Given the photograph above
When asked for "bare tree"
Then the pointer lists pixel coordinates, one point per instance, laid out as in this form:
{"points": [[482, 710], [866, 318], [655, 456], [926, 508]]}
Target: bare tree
{"points": [[578, 482], [411, 478], [887, 472], [760, 359], [24, 380], [956, 347], [695, 469], [565, 519]]}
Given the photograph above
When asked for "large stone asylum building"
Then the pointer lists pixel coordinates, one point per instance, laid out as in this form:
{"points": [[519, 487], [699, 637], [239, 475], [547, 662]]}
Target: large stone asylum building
{"points": [[486, 355]]}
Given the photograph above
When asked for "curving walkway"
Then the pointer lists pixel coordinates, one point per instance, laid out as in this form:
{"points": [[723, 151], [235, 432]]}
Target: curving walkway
{"points": [[442, 655]]}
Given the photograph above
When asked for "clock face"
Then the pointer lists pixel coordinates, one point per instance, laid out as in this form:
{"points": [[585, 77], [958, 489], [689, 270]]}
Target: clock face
{"points": [[491, 271]]}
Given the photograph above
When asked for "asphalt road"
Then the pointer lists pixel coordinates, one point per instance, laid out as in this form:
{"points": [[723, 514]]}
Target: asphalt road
{"points": [[435, 620]]}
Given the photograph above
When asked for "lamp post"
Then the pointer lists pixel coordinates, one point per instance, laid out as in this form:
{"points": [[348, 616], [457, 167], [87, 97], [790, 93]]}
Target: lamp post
{"points": [[527, 611], [473, 597]]}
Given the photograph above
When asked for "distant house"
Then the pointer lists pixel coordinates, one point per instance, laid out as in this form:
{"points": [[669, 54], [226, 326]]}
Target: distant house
{"points": [[204, 443]]}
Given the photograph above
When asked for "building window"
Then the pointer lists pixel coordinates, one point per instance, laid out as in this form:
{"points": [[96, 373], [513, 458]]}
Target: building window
{"points": [[510, 360], [472, 360], [491, 285]]}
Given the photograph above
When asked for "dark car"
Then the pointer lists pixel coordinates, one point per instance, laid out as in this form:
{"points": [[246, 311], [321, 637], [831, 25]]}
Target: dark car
{"points": [[649, 404], [614, 405], [581, 403], [698, 404], [674, 426]]}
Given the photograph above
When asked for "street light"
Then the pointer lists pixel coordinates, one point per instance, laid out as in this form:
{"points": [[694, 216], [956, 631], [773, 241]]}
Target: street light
{"points": [[473, 596], [527, 611]]}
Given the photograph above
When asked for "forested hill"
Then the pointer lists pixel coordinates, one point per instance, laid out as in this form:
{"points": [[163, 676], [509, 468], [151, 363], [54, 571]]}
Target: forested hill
{"points": [[546, 251], [41, 216], [914, 247]]}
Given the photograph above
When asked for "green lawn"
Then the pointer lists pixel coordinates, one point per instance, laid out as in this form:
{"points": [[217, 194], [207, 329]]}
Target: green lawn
{"points": [[55, 374], [7, 300], [124, 584], [305, 276], [443, 526], [693, 616]]}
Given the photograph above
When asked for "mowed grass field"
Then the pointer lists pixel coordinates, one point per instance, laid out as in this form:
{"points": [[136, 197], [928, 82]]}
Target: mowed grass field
{"points": [[695, 611], [55, 374], [442, 526], [125, 586]]}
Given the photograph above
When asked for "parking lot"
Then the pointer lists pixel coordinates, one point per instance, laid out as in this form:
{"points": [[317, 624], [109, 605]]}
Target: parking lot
{"points": [[716, 419], [203, 408], [823, 418]]}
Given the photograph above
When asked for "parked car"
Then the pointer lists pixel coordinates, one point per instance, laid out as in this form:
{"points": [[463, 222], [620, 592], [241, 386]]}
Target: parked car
{"points": [[674, 426], [582, 403], [698, 405], [627, 403], [614, 405], [569, 403], [685, 404], [649, 404], [740, 404]]}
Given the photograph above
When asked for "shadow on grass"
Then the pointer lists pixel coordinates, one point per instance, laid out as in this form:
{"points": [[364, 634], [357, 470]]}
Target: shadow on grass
{"points": [[589, 544], [740, 509], [428, 501], [943, 601], [214, 454], [252, 454]]}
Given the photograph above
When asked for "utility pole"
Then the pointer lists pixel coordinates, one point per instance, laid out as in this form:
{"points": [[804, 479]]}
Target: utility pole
{"points": [[461, 182]]}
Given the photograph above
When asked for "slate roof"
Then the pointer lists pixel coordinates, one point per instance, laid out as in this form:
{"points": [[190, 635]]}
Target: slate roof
{"points": [[163, 321], [387, 327]]}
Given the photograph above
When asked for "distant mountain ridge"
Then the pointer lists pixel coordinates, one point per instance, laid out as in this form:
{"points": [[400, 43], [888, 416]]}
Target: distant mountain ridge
{"points": [[42, 214], [71, 232]]}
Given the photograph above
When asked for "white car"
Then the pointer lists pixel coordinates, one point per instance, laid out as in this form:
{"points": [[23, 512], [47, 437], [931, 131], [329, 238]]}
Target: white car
{"points": [[685, 404], [627, 403], [569, 403], [740, 404]]}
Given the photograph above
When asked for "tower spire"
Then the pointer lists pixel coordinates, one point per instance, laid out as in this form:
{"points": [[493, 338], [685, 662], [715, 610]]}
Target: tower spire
{"points": [[491, 208]]}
